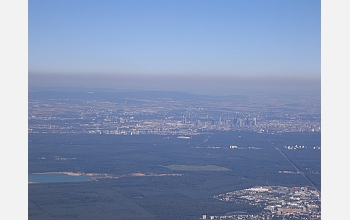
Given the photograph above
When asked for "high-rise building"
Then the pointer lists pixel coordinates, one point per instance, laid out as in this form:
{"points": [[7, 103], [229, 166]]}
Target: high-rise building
{"points": [[254, 122]]}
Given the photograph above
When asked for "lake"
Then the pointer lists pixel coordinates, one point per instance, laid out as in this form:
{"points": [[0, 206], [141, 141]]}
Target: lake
{"points": [[55, 178]]}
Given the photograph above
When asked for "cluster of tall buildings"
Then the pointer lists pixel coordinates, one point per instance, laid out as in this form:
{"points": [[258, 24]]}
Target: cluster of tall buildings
{"points": [[238, 121]]}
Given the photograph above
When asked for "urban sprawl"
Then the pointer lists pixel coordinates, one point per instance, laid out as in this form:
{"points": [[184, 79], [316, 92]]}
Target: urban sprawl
{"points": [[168, 117], [278, 202]]}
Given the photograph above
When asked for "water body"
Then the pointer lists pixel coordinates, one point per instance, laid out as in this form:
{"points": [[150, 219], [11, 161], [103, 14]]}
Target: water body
{"points": [[55, 178]]}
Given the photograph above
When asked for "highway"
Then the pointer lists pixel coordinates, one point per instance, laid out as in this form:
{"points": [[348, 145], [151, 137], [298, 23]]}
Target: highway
{"points": [[296, 168]]}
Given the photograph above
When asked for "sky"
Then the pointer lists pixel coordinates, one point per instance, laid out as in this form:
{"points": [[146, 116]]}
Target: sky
{"points": [[174, 44], [20, 69]]}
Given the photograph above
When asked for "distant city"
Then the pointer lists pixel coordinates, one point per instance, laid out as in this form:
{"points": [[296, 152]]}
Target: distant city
{"points": [[173, 155], [171, 116]]}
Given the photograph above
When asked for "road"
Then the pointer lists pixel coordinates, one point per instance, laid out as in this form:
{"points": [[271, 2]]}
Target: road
{"points": [[296, 168]]}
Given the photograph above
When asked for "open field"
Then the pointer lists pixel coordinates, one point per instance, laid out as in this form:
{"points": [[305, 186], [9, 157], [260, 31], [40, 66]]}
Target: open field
{"points": [[196, 168]]}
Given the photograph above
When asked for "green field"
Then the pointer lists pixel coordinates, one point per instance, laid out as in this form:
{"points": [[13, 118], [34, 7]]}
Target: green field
{"points": [[196, 168]]}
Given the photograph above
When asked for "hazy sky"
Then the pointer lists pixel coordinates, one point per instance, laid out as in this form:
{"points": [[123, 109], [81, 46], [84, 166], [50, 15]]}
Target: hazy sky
{"points": [[174, 44]]}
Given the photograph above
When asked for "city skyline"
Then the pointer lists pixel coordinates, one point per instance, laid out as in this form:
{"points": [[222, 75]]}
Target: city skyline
{"points": [[334, 47]]}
